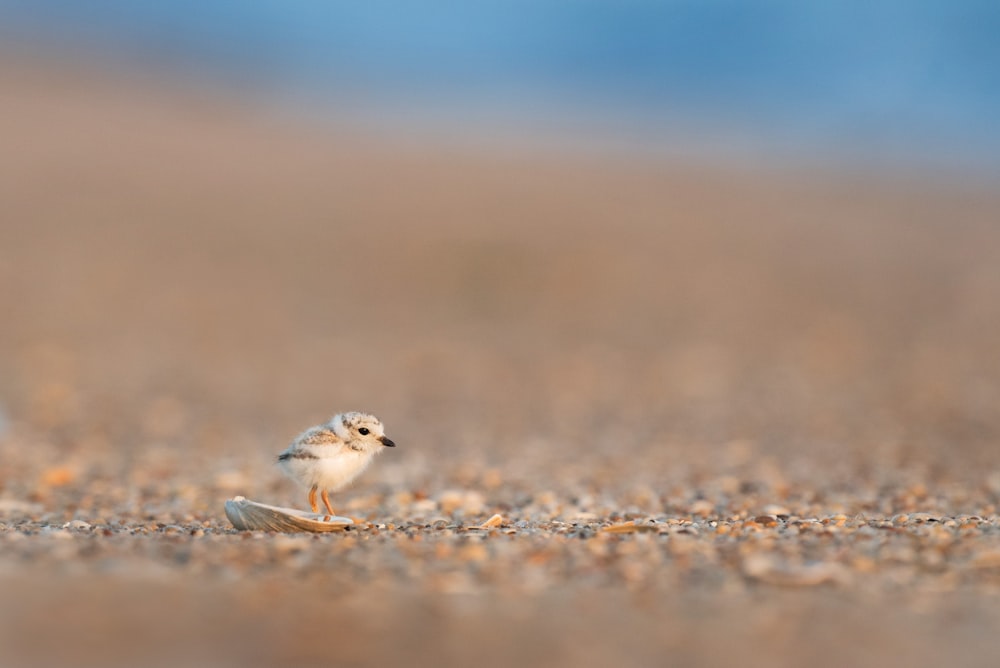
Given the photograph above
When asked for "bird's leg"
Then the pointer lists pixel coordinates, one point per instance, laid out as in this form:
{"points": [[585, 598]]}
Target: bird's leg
{"points": [[312, 499], [326, 502]]}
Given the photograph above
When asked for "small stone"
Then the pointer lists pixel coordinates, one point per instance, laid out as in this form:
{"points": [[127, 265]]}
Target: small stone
{"points": [[450, 501], [702, 507], [57, 477], [630, 527], [423, 506]]}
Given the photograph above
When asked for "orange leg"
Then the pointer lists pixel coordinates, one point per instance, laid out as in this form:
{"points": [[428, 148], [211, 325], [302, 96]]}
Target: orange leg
{"points": [[312, 499], [326, 502]]}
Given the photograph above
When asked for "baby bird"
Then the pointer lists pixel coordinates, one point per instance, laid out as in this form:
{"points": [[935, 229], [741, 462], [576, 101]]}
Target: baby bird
{"points": [[329, 456]]}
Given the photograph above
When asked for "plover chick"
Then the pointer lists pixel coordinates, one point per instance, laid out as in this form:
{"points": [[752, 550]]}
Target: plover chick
{"points": [[329, 456]]}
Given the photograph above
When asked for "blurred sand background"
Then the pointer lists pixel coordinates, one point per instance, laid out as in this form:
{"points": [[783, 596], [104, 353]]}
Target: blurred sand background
{"points": [[555, 336]]}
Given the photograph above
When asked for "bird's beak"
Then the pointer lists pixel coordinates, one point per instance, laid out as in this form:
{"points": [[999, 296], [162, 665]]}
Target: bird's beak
{"points": [[387, 442]]}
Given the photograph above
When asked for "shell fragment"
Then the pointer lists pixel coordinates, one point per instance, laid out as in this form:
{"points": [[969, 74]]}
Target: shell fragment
{"points": [[247, 515]]}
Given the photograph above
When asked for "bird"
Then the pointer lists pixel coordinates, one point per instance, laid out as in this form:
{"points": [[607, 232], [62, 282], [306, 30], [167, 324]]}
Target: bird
{"points": [[327, 457]]}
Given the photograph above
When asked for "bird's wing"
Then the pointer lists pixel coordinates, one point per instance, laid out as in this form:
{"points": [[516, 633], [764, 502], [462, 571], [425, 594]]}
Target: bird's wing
{"points": [[301, 447], [318, 437]]}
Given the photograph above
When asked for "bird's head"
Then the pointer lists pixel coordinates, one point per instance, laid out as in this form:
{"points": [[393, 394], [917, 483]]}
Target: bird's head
{"points": [[361, 431]]}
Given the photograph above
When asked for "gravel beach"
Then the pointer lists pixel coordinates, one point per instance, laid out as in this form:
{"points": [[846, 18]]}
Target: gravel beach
{"points": [[649, 411]]}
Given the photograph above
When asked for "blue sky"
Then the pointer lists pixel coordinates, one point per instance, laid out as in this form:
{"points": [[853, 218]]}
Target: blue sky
{"points": [[891, 74]]}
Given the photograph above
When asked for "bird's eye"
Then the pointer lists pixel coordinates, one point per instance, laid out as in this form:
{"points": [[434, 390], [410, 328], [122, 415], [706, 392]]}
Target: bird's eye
{"points": [[364, 431]]}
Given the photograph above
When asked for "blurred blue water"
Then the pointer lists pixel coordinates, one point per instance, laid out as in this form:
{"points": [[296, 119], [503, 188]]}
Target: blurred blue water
{"points": [[911, 77]]}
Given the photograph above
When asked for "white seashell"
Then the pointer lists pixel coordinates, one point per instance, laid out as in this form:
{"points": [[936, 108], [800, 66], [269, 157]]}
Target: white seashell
{"points": [[247, 515]]}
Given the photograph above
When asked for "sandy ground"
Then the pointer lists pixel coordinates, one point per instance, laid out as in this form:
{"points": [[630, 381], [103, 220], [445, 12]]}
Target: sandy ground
{"points": [[729, 415]]}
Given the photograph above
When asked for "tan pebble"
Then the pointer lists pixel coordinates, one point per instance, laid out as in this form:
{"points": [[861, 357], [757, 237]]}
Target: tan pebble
{"points": [[424, 506], [494, 522], [450, 501], [702, 507], [469, 502], [630, 527], [774, 509], [474, 503], [620, 528], [57, 476]]}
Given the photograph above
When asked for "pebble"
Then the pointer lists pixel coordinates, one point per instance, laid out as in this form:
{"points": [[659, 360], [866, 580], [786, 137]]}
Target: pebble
{"points": [[724, 535], [702, 507]]}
